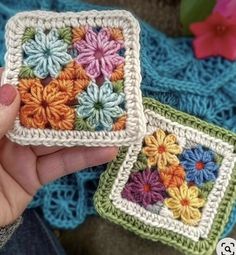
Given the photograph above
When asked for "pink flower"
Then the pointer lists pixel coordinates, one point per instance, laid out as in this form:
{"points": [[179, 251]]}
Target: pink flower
{"points": [[98, 53], [144, 188], [216, 36], [226, 8]]}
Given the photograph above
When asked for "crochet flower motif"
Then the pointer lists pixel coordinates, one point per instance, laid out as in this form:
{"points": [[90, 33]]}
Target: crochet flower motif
{"points": [[161, 149], [144, 188], [45, 107], [199, 165], [98, 53], [216, 36], [185, 203], [173, 176], [100, 106], [46, 54]]}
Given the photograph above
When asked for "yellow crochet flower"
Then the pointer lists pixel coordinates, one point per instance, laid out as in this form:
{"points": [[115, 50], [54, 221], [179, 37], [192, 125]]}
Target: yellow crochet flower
{"points": [[185, 203], [161, 149]]}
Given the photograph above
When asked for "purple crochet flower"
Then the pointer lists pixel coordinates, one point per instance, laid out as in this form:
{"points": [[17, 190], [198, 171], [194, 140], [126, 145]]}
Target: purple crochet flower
{"points": [[98, 53], [144, 188]]}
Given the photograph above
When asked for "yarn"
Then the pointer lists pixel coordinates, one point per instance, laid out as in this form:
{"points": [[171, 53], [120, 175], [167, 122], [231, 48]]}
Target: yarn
{"points": [[214, 202], [46, 54], [172, 176], [200, 165], [67, 202], [184, 202], [144, 188], [99, 53], [170, 74], [161, 149], [45, 106], [99, 105]]}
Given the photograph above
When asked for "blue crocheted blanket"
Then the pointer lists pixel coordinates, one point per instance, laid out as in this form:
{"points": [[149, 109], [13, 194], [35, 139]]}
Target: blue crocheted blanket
{"points": [[171, 74]]}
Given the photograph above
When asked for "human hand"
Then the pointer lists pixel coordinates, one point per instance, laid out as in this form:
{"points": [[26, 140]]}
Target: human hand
{"points": [[24, 169]]}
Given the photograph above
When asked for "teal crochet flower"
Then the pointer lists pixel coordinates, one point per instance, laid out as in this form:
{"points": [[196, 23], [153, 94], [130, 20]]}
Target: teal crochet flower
{"points": [[46, 54], [100, 106]]}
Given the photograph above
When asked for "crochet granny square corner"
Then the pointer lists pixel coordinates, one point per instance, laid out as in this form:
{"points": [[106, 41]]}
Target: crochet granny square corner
{"points": [[178, 186], [78, 75]]}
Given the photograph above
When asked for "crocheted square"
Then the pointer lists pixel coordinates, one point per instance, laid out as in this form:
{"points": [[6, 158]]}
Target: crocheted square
{"points": [[178, 186], [78, 75]]}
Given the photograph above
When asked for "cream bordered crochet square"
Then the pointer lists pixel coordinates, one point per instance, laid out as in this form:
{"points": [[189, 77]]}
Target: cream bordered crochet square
{"points": [[178, 186], [78, 75]]}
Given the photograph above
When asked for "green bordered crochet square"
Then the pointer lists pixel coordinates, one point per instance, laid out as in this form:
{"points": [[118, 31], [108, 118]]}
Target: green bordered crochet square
{"points": [[78, 75], [178, 186]]}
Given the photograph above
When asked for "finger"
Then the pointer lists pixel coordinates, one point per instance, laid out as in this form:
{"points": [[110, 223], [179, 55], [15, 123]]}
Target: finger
{"points": [[9, 107], [1, 72], [67, 161], [43, 150]]}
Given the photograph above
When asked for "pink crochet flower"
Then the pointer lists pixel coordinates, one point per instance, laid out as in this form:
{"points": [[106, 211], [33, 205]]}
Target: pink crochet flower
{"points": [[98, 53], [144, 188]]}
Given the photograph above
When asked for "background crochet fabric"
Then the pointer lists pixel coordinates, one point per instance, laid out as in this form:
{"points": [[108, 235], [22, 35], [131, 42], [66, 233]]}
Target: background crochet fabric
{"points": [[170, 73]]}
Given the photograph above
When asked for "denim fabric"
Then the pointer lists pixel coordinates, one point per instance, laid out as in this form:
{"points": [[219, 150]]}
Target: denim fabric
{"points": [[33, 237]]}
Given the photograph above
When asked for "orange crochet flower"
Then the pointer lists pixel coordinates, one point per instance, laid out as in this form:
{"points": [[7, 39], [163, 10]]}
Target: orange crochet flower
{"points": [[79, 86], [116, 34], [30, 117], [62, 117], [43, 104], [25, 86], [173, 176], [73, 71], [65, 87], [118, 73], [78, 34], [80, 73], [120, 123], [68, 72]]}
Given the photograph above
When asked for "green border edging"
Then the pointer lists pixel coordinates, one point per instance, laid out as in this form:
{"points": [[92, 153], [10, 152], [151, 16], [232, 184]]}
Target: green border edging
{"points": [[106, 208]]}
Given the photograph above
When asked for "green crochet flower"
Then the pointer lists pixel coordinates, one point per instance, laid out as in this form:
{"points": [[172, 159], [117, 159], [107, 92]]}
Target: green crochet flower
{"points": [[100, 106], [46, 54]]}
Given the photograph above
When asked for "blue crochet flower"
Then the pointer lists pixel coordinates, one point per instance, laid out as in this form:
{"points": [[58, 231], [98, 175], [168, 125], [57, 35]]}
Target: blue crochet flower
{"points": [[46, 54], [100, 106], [199, 164]]}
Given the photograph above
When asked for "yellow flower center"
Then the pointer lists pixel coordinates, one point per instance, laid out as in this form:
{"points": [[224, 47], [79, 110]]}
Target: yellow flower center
{"points": [[185, 202], [199, 165], [161, 149], [147, 187]]}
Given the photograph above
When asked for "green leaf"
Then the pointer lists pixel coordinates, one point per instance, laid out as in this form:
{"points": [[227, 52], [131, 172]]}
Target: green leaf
{"points": [[82, 124], [219, 159], [118, 86], [29, 34], [194, 10], [26, 73], [206, 189], [65, 34], [141, 163]]}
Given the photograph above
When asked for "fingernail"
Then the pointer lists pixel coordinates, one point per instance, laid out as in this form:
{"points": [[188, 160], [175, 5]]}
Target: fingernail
{"points": [[7, 94]]}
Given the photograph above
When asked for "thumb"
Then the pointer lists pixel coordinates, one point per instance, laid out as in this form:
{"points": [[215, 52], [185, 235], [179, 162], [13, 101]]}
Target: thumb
{"points": [[9, 106]]}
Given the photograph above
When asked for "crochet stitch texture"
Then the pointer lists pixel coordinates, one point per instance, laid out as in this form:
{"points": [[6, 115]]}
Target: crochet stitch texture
{"points": [[193, 214], [46, 54], [202, 88], [98, 103]]}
